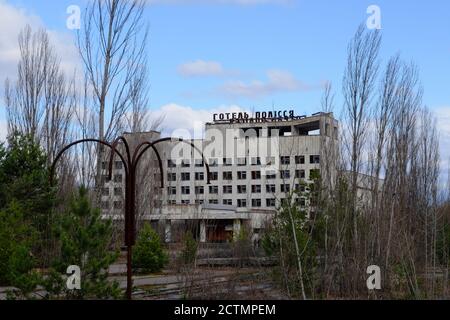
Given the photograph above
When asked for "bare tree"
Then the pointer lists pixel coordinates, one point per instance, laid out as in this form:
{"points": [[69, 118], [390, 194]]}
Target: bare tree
{"points": [[42, 100], [358, 86], [383, 121], [112, 47]]}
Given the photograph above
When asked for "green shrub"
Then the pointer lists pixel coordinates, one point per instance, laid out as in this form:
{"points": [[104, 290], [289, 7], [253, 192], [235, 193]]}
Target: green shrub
{"points": [[85, 241], [16, 259], [148, 253]]}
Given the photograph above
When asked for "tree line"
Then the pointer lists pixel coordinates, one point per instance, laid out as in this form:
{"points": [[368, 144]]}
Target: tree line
{"points": [[377, 200]]}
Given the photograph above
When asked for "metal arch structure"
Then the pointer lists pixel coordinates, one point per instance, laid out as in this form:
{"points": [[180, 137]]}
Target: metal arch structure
{"points": [[130, 162]]}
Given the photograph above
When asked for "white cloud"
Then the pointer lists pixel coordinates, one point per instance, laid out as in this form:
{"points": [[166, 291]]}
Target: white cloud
{"points": [[184, 121], [214, 2], [201, 68], [277, 81], [13, 20]]}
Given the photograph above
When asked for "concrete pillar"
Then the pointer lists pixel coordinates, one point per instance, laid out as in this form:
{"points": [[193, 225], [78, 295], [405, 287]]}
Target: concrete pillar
{"points": [[202, 231], [236, 229], [168, 231]]}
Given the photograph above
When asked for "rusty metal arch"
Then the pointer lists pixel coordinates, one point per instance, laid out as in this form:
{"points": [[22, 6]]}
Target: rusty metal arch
{"points": [[152, 144], [60, 153], [130, 163]]}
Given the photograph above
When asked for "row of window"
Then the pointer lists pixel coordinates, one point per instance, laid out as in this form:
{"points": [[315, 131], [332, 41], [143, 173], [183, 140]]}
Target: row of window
{"points": [[118, 165], [241, 175], [240, 189], [226, 175], [116, 192], [254, 161], [241, 203]]}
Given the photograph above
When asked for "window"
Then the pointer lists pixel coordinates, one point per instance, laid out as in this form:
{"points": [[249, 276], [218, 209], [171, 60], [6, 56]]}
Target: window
{"points": [[213, 189], [256, 188], [299, 188], [270, 188], [171, 190], [227, 175], [241, 162], [185, 176], [117, 192], [227, 189], [199, 190], [227, 202], [314, 159], [185, 202], [212, 162], [270, 202], [171, 202], [185, 190], [213, 201], [227, 162], [105, 192], [118, 165], [118, 178], [117, 205], [171, 163], [285, 160], [299, 159], [105, 205], [301, 202], [271, 175], [285, 188], [256, 203], [242, 175], [256, 161], [186, 163], [285, 174], [242, 189], [104, 165], [199, 176], [199, 163], [241, 203], [171, 176], [256, 175], [105, 179], [214, 176], [199, 201], [300, 174]]}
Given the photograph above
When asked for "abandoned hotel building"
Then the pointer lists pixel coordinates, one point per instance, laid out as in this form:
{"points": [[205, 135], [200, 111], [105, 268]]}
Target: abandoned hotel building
{"points": [[255, 161]]}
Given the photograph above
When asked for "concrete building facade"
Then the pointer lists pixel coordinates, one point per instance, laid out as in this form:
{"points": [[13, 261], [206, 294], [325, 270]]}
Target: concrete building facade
{"points": [[255, 163]]}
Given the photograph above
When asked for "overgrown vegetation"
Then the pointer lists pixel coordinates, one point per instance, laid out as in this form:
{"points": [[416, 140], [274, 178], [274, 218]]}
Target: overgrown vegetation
{"points": [[85, 240], [148, 254], [189, 251]]}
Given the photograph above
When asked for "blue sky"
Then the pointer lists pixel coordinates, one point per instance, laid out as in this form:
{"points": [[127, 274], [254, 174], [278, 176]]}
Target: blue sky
{"points": [[253, 54]]}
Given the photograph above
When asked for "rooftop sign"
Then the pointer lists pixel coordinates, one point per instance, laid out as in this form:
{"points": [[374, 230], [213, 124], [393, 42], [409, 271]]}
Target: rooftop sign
{"points": [[264, 116]]}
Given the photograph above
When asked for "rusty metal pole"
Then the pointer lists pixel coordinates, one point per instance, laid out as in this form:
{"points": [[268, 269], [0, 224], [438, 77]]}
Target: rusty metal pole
{"points": [[130, 163], [127, 239], [130, 229]]}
